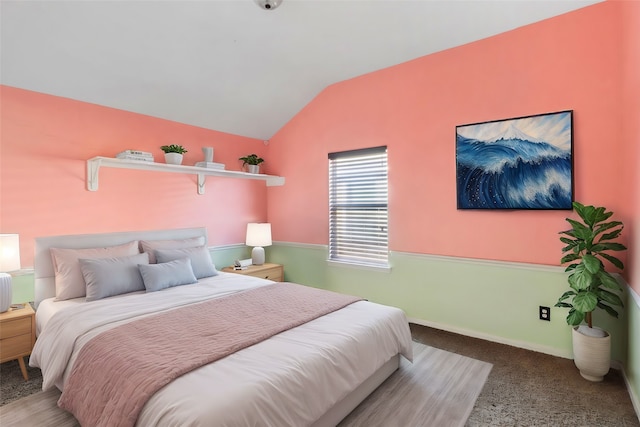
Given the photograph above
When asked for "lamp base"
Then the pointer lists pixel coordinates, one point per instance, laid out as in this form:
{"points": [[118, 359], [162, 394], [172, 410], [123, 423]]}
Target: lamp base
{"points": [[6, 292], [257, 255]]}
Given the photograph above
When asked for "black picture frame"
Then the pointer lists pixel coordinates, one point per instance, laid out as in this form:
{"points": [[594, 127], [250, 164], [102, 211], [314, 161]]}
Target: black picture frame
{"points": [[518, 163]]}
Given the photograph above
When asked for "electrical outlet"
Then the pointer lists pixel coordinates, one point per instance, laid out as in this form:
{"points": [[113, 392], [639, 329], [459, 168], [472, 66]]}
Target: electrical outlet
{"points": [[545, 313]]}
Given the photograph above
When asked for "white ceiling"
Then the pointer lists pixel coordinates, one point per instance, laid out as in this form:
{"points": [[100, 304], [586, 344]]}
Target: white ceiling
{"points": [[227, 64]]}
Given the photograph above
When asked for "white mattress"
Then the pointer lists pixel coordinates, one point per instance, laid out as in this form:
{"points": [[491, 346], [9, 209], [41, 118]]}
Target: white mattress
{"points": [[292, 378]]}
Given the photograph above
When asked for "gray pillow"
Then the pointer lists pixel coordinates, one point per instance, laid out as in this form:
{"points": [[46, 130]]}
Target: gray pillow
{"points": [[150, 246], [200, 259], [106, 277], [167, 274]]}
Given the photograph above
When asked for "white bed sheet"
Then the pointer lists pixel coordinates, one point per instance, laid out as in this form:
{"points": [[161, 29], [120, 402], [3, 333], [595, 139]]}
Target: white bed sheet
{"points": [[292, 378]]}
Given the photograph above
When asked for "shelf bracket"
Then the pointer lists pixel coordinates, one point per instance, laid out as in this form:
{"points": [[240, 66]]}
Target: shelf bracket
{"points": [[93, 169], [201, 180]]}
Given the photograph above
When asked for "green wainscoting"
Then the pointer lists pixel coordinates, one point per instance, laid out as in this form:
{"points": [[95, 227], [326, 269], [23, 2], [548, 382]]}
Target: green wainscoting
{"points": [[632, 368], [497, 301], [22, 287]]}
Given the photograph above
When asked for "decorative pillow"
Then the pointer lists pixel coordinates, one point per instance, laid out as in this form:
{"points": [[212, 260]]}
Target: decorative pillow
{"points": [[106, 277], [167, 274], [200, 259], [151, 245], [69, 280]]}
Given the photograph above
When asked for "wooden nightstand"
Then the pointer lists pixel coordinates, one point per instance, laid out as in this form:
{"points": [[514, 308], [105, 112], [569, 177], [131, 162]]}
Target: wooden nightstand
{"points": [[273, 272], [17, 335]]}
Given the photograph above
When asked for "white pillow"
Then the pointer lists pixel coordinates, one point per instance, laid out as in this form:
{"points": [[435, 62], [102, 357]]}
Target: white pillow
{"points": [[107, 277], [167, 274], [200, 259], [69, 280], [151, 245]]}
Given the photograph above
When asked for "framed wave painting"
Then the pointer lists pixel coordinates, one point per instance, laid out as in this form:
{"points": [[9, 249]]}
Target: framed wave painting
{"points": [[519, 163]]}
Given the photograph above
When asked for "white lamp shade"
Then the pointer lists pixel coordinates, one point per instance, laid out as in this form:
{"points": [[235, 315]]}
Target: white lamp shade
{"points": [[9, 261], [258, 234], [9, 252]]}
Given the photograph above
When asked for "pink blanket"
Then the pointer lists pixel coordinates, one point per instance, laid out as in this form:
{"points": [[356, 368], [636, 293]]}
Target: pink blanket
{"points": [[119, 370]]}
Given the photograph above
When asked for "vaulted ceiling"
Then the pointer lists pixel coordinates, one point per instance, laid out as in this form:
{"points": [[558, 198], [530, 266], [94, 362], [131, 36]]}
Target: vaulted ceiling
{"points": [[229, 65]]}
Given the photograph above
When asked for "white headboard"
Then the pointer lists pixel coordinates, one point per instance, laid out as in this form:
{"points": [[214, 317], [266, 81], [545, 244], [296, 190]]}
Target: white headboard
{"points": [[44, 274]]}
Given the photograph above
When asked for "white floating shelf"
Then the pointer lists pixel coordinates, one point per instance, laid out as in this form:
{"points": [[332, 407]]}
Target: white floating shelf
{"points": [[94, 165]]}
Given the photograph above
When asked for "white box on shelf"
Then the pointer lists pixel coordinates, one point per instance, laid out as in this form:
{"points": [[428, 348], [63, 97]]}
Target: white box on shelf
{"points": [[210, 165]]}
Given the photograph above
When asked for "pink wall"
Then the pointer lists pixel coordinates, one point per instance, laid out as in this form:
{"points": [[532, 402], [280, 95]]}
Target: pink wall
{"points": [[630, 18], [568, 62], [45, 141]]}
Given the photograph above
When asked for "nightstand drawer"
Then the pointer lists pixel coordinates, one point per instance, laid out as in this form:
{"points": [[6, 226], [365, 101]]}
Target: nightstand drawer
{"points": [[11, 328], [274, 274], [14, 347]]}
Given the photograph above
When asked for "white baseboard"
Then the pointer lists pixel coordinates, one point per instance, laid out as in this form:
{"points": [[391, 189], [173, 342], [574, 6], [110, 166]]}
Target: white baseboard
{"points": [[635, 399], [493, 338]]}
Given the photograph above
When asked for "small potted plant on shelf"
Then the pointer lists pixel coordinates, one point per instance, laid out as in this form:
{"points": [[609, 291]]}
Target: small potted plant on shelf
{"points": [[252, 161], [173, 153], [588, 243]]}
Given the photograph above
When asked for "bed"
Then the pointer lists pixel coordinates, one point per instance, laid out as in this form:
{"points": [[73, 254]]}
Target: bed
{"points": [[313, 374]]}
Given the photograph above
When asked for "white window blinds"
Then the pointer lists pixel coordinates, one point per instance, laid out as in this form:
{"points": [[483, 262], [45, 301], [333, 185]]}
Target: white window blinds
{"points": [[358, 216]]}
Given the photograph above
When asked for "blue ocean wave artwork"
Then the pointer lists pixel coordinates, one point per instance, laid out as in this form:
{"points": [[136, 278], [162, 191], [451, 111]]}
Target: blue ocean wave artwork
{"points": [[515, 164]]}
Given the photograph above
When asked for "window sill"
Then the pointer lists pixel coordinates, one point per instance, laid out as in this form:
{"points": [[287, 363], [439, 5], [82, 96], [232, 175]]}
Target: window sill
{"points": [[370, 267]]}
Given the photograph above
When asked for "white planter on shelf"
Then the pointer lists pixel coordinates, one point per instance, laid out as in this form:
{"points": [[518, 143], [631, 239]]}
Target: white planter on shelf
{"points": [[591, 352], [173, 158], [253, 168]]}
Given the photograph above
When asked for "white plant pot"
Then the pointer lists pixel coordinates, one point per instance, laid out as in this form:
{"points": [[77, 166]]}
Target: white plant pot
{"points": [[173, 158], [253, 168], [591, 354]]}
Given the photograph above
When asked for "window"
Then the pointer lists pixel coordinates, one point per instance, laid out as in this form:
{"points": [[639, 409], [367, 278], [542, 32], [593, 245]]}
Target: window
{"points": [[358, 219]]}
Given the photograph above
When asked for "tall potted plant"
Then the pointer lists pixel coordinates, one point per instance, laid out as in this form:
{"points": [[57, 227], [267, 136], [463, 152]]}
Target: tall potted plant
{"points": [[588, 243]]}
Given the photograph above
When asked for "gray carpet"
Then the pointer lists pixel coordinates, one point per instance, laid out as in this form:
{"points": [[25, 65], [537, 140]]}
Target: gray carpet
{"points": [[526, 388], [438, 389]]}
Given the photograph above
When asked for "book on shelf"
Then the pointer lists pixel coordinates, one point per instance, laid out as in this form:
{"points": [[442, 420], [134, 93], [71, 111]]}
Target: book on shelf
{"points": [[134, 157], [136, 153], [210, 165]]}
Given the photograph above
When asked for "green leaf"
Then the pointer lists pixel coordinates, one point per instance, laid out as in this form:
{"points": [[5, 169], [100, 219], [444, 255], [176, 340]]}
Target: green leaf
{"points": [[610, 236], [566, 295], [613, 260], [572, 282], [568, 241], [607, 226], [580, 231], [599, 247], [601, 215], [608, 309], [563, 304], [588, 214], [585, 301], [608, 281], [582, 277], [610, 297], [575, 317], [571, 267], [591, 263], [569, 258]]}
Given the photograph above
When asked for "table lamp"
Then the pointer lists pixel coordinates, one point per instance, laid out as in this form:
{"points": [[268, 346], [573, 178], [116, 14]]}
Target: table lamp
{"points": [[9, 261], [258, 235]]}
